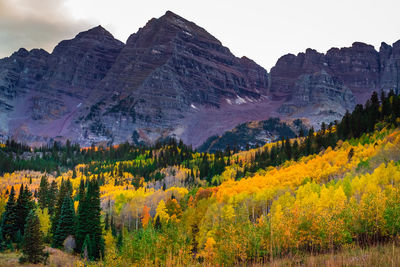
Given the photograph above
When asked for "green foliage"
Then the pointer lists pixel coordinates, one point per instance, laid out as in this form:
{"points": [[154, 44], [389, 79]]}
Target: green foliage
{"points": [[89, 222], [9, 226], [43, 193], [65, 191], [23, 207], [32, 245], [87, 248], [66, 223]]}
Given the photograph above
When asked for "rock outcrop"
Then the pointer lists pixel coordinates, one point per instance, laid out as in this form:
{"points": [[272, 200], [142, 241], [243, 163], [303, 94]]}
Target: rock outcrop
{"points": [[319, 97], [390, 66], [360, 68]]}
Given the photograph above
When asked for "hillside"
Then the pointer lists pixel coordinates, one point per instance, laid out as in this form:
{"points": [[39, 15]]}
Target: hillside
{"points": [[167, 204]]}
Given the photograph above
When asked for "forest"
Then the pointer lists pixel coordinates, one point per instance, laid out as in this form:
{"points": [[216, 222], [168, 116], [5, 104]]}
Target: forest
{"points": [[324, 191]]}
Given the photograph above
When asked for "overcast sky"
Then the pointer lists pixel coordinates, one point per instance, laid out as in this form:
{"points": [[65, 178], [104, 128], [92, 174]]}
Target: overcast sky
{"points": [[262, 30]]}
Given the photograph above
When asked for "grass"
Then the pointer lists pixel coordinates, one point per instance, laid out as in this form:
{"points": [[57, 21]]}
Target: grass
{"points": [[380, 255], [57, 258]]}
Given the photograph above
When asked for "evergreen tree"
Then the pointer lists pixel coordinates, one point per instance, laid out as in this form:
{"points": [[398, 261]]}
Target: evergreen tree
{"points": [[295, 149], [52, 197], [82, 219], [87, 246], [24, 206], [96, 230], [32, 244], [9, 225], [66, 224], [3, 243], [288, 148], [89, 222], [120, 240], [81, 192], [65, 190], [374, 111]]}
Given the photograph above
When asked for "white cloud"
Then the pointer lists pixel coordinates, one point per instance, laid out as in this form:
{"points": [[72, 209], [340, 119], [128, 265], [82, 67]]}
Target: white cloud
{"points": [[35, 24]]}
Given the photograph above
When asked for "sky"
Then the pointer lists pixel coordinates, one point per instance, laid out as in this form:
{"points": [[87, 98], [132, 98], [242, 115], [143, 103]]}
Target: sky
{"points": [[262, 30]]}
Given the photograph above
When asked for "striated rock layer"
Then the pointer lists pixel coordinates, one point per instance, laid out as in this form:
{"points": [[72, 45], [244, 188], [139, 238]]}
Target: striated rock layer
{"points": [[173, 78], [360, 68]]}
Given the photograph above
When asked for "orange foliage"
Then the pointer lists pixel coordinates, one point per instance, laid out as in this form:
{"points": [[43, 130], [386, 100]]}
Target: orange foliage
{"points": [[145, 216]]}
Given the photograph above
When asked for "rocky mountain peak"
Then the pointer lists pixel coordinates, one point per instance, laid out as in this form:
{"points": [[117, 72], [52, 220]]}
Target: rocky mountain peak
{"points": [[396, 48], [167, 28], [96, 33], [361, 45], [22, 52]]}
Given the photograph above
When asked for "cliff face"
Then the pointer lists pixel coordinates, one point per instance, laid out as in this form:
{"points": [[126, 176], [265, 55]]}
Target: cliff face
{"points": [[319, 97], [360, 68], [173, 78], [77, 66], [389, 62]]}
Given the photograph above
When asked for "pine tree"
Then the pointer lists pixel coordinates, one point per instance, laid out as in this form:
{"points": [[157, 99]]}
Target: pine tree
{"points": [[66, 223], [96, 230], [87, 246], [43, 192], [81, 192], [9, 225], [23, 208], [52, 197], [82, 219], [32, 244], [89, 221], [65, 190]]}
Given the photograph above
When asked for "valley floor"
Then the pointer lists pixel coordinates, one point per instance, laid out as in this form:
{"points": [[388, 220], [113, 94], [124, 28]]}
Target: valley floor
{"points": [[57, 258], [380, 255]]}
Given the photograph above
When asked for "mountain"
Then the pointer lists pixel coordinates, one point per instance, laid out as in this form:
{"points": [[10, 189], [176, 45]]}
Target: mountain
{"points": [[41, 93], [345, 76], [167, 72], [173, 78], [93, 88]]}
